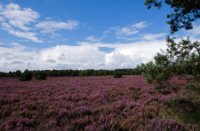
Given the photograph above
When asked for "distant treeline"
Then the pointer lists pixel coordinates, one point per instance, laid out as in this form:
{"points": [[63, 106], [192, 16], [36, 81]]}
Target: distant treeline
{"points": [[135, 71]]}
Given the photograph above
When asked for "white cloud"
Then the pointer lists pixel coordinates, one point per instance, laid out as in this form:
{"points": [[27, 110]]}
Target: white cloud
{"points": [[153, 36], [128, 30], [25, 22], [16, 57], [127, 33], [139, 25], [93, 38], [52, 26], [83, 56], [22, 34], [19, 17], [132, 54], [195, 31], [16, 21], [27, 35], [131, 29]]}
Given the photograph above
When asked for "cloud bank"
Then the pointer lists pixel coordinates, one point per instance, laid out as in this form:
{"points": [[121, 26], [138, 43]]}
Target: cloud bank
{"points": [[82, 56]]}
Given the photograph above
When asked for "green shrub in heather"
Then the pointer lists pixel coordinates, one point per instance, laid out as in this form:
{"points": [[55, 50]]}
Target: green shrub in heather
{"points": [[18, 73], [117, 75], [159, 71], [40, 75], [26, 76]]}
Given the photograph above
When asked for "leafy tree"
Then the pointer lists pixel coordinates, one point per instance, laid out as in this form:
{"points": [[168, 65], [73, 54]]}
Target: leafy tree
{"points": [[184, 12], [186, 57], [181, 59], [26, 76]]}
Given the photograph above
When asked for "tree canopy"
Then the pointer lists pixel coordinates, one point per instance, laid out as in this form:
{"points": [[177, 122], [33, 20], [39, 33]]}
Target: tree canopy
{"points": [[185, 12]]}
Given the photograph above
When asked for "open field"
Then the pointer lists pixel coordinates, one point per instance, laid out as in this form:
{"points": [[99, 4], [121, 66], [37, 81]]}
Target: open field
{"points": [[84, 103]]}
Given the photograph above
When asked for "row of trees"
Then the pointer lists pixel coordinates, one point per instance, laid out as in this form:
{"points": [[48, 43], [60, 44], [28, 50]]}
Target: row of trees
{"points": [[41, 75]]}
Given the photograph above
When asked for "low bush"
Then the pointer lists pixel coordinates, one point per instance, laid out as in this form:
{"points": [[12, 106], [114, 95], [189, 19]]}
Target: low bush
{"points": [[157, 74], [40, 75], [117, 75], [26, 76], [18, 73]]}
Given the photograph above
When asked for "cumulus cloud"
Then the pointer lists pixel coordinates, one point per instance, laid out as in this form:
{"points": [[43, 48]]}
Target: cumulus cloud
{"points": [[16, 57], [82, 56], [132, 54], [52, 26], [16, 21], [19, 17], [25, 23]]}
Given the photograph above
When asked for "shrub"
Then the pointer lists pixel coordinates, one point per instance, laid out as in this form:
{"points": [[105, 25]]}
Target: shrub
{"points": [[157, 73], [117, 75], [40, 75], [18, 73], [26, 76], [181, 59]]}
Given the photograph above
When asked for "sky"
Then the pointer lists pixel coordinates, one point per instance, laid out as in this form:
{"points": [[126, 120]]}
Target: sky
{"points": [[81, 34]]}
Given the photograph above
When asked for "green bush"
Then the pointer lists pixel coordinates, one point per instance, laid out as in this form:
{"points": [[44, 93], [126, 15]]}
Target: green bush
{"points": [[26, 76], [40, 75], [159, 71], [18, 73], [117, 75]]}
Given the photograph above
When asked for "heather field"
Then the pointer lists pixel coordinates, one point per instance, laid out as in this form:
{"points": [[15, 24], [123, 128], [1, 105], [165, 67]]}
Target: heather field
{"points": [[86, 103]]}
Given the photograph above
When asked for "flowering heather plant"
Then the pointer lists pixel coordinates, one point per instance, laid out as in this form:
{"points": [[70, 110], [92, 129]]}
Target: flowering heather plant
{"points": [[83, 103], [168, 125]]}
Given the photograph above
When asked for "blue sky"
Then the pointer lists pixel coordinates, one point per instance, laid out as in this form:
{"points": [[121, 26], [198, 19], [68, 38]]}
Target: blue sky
{"points": [[80, 34]]}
